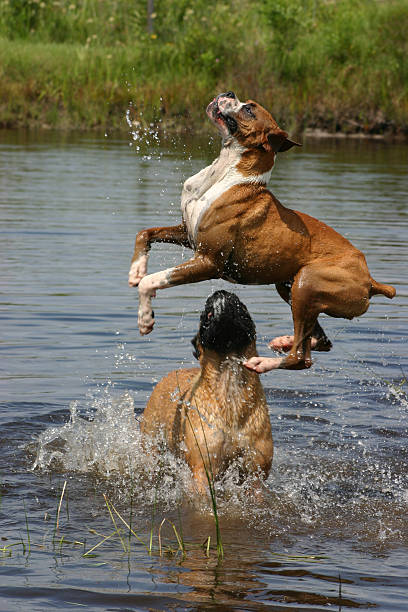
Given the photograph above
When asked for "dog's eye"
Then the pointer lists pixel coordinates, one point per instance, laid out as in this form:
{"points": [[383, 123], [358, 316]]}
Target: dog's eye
{"points": [[248, 110]]}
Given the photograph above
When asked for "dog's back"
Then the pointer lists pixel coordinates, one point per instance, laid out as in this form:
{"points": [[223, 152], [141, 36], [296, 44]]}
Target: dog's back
{"points": [[220, 408]]}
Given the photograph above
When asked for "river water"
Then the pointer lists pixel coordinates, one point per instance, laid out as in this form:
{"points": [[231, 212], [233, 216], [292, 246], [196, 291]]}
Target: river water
{"points": [[331, 531]]}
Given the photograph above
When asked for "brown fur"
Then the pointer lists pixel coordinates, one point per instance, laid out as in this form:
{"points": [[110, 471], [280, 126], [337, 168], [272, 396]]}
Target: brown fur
{"points": [[220, 405], [255, 162], [248, 236]]}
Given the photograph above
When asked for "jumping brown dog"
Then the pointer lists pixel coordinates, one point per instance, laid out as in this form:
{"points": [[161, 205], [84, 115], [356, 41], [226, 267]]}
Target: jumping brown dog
{"points": [[218, 410], [240, 232]]}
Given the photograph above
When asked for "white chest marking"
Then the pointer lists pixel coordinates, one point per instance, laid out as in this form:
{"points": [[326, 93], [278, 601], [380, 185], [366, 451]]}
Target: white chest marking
{"points": [[202, 189]]}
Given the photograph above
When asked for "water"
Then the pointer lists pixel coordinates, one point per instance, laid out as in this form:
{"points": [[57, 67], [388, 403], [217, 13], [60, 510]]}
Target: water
{"points": [[75, 375]]}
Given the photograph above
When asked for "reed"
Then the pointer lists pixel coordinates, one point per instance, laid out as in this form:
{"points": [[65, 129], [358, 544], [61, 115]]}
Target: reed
{"points": [[181, 531], [57, 514], [208, 472], [60, 504], [104, 539], [340, 592], [152, 523], [27, 528], [118, 533], [124, 545], [7, 548], [130, 519], [211, 485], [179, 538]]}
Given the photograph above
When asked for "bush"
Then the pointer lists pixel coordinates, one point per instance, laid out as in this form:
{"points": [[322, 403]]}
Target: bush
{"points": [[326, 63]]}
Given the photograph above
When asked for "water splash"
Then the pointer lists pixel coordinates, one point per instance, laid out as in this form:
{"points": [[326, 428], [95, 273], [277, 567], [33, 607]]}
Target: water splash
{"points": [[397, 394], [98, 442], [104, 440], [341, 489], [144, 136]]}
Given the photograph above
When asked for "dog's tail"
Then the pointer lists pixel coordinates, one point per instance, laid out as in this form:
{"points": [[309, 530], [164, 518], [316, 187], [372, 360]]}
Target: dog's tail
{"points": [[381, 289]]}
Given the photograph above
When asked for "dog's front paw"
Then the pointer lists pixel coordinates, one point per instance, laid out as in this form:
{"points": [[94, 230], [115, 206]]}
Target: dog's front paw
{"points": [[296, 361], [145, 322], [137, 271], [263, 364]]}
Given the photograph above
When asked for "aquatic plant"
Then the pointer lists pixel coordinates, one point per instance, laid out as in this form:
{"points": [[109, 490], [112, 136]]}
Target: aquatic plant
{"points": [[123, 534], [211, 484]]}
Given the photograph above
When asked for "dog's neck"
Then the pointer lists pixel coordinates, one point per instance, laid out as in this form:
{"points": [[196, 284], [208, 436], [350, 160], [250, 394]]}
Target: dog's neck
{"points": [[254, 164], [236, 391], [234, 166]]}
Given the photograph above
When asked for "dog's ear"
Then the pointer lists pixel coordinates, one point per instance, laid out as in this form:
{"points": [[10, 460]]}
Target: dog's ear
{"points": [[274, 139], [196, 344], [288, 144], [278, 141]]}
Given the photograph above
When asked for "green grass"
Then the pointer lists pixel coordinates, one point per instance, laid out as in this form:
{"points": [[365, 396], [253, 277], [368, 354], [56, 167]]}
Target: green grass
{"points": [[338, 65]]}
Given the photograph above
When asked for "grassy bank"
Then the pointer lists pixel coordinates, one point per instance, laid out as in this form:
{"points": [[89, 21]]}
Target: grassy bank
{"points": [[336, 65]]}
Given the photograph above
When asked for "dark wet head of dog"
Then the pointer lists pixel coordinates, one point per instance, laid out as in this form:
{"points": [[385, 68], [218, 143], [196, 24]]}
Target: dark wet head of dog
{"points": [[225, 325]]}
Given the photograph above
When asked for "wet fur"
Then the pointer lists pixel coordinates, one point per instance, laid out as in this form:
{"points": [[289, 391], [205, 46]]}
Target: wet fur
{"points": [[221, 405], [240, 232]]}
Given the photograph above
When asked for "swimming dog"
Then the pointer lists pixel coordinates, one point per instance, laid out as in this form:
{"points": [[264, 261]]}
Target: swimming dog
{"points": [[218, 410], [240, 232]]}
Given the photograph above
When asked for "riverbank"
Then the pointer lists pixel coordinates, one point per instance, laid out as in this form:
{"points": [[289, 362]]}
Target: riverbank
{"points": [[338, 67]]}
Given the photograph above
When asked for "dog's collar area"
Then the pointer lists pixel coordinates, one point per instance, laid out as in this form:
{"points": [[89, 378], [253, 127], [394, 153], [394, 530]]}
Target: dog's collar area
{"points": [[227, 361]]}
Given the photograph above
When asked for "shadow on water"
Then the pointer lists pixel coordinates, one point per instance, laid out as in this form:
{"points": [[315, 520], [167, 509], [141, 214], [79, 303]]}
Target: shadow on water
{"points": [[330, 529]]}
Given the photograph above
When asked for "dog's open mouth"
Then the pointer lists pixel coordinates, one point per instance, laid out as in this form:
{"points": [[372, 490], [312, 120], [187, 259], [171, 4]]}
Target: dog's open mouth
{"points": [[221, 119], [230, 122]]}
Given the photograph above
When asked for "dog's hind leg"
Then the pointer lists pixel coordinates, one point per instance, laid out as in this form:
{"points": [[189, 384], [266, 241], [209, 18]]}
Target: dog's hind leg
{"points": [[319, 340], [176, 234], [304, 320], [339, 289]]}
